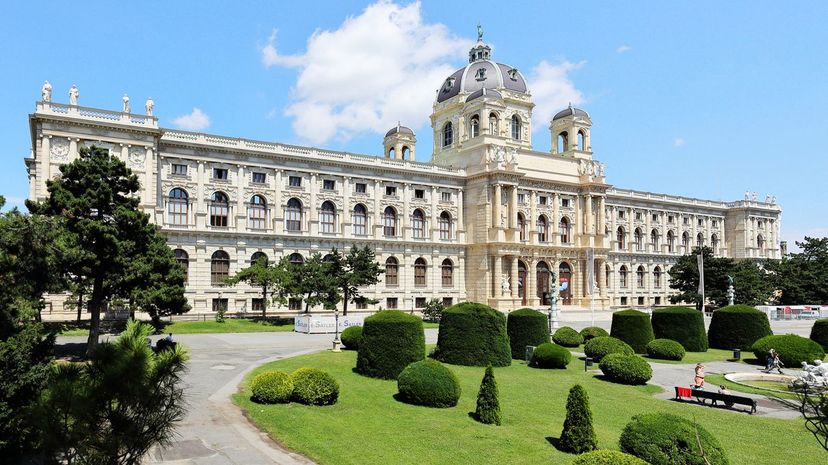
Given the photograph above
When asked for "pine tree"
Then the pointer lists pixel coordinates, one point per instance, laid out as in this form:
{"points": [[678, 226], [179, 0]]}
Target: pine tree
{"points": [[578, 435], [488, 405]]}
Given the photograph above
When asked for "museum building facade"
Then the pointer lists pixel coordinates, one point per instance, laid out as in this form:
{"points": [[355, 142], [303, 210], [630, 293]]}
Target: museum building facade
{"points": [[487, 220]]}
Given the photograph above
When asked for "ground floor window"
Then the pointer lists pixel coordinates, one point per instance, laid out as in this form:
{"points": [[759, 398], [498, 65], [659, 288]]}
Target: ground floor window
{"points": [[641, 301], [448, 301], [391, 303], [623, 301], [361, 304], [257, 305], [295, 304], [658, 300], [419, 302], [219, 305]]}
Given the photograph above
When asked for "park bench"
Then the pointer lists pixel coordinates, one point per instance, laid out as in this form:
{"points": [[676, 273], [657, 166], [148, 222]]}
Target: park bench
{"points": [[715, 397]]}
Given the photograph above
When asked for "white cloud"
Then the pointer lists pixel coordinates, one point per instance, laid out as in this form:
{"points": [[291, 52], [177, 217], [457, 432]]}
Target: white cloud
{"points": [[197, 120], [552, 90], [623, 49], [678, 142], [375, 69]]}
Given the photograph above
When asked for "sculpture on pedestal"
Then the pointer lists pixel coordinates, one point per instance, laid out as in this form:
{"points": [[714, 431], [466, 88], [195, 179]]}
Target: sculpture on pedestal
{"points": [[126, 103], [46, 92], [813, 378], [73, 95], [505, 288], [149, 106], [731, 293]]}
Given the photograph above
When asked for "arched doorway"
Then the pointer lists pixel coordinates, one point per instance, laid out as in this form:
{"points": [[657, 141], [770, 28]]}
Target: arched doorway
{"points": [[565, 283], [543, 282], [521, 283]]}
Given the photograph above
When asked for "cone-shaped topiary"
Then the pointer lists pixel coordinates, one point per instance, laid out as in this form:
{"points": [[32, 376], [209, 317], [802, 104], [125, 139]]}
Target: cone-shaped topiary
{"points": [[737, 327], [472, 334], [391, 340], [567, 337], [526, 327], [607, 457], [681, 324], [593, 331], [819, 333], [351, 336], [577, 435], [634, 328], [488, 404], [792, 349]]}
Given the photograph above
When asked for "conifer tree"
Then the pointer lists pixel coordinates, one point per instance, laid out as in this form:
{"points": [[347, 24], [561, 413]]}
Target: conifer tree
{"points": [[488, 405], [578, 436]]}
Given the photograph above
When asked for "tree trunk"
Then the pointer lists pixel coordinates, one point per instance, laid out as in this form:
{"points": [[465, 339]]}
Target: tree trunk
{"points": [[264, 301], [95, 304], [80, 305], [345, 301]]}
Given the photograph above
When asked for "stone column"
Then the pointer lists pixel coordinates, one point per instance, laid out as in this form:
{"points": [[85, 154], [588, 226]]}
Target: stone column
{"points": [[377, 219], [601, 275], [460, 208], [513, 208], [45, 164], [556, 219], [199, 206], [514, 275], [313, 208], [631, 231], [496, 206], [147, 192], [73, 149], [345, 226], [405, 217], [578, 230], [648, 229], [602, 215], [241, 213], [532, 225], [277, 203], [497, 276], [590, 221], [529, 286]]}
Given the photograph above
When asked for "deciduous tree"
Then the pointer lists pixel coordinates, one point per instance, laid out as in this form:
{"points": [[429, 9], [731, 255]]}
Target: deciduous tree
{"points": [[352, 271]]}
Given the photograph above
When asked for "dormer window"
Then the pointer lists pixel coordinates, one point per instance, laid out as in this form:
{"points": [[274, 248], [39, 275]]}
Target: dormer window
{"points": [[480, 74], [448, 84], [513, 74]]}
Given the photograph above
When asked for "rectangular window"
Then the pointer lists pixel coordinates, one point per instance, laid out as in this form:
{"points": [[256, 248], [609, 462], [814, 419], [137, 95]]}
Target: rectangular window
{"points": [[448, 301], [361, 304], [257, 305], [294, 181], [328, 184], [641, 301], [623, 301], [522, 199], [542, 200], [259, 178], [219, 304], [446, 196], [295, 304], [391, 303], [391, 191], [220, 174], [565, 203], [360, 188], [670, 219], [655, 217], [419, 193], [701, 222], [715, 224], [638, 216], [658, 300], [419, 302], [686, 220], [621, 214], [179, 169]]}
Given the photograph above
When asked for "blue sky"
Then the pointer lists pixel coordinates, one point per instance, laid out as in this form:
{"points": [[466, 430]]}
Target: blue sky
{"points": [[704, 99]]}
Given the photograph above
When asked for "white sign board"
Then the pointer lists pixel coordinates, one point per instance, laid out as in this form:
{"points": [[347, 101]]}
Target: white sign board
{"points": [[320, 324]]}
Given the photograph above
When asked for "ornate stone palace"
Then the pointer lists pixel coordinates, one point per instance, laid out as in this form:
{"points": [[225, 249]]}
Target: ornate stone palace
{"points": [[486, 220]]}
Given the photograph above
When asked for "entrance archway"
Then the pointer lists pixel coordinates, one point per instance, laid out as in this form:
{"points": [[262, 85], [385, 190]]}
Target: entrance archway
{"points": [[543, 282], [521, 283], [565, 283]]}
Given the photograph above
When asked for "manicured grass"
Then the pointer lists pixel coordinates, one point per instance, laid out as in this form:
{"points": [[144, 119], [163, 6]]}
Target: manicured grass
{"points": [[229, 326], [428, 324], [368, 425], [715, 379], [712, 355]]}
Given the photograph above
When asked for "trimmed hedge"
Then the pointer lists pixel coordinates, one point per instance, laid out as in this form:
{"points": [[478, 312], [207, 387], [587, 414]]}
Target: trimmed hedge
{"points": [[792, 349], [429, 383], [665, 349], [634, 328], [819, 333], [312, 386], [473, 334], [737, 327], [526, 327], [607, 457], [626, 369], [272, 387], [549, 355], [391, 340], [682, 324], [666, 439], [593, 331], [351, 336], [601, 346], [567, 337]]}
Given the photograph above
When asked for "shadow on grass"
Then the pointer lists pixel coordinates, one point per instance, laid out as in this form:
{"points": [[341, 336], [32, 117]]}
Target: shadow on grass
{"points": [[556, 443], [71, 351]]}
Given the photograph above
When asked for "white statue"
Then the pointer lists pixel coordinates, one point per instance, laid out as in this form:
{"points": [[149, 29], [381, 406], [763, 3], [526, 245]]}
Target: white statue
{"points": [[149, 106], [747, 195], [126, 103], [73, 95], [753, 196], [512, 156], [812, 376], [773, 200], [46, 92], [504, 285], [767, 198], [582, 168]]}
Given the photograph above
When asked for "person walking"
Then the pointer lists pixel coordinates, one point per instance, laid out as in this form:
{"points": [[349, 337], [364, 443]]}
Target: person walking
{"points": [[699, 378], [769, 359], [776, 363]]}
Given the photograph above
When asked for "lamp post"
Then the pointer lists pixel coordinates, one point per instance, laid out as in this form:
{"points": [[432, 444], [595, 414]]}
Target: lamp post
{"points": [[336, 341]]}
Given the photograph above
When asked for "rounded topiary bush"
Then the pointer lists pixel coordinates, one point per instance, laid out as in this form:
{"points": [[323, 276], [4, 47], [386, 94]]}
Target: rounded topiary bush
{"points": [[792, 349], [666, 439], [549, 355], [607, 457], [626, 369], [473, 334], [634, 328], [430, 383], [272, 387], [391, 340], [351, 336], [737, 327], [312, 386], [567, 337], [526, 327], [593, 331], [601, 346], [819, 332], [665, 349], [681, 324]]}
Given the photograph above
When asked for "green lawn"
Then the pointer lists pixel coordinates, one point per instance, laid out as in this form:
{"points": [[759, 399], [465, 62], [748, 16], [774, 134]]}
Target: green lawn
{"points": [[229, 326], [428, 324], [368, 426], [712, 355], [715, 379]]}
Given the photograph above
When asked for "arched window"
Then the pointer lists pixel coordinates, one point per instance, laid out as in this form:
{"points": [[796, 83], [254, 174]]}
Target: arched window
{"points": [[607, 276], [639, 239], [714, 243], [219, 209], [640, 274], [360, 219], [296, 259], [418, 224], [657, 277], [177, 207], [543, 229], [328, 259], [685, 241], [447, 273], [389, 222], [406, 153], [293, 215], [184, 260], [654, 240], [391, 271], [516, 127], [581, 140], [327, 217], [219, 267], [448, 135], [258, 256], [475, 126], [622, 276], [563, 142], [445, 225], [392, 153], [565, 231], [522, 226], [760, 242], [700, 240], [257, 213], [671, 242], [420, 272], [621, 238], [493, 124]]}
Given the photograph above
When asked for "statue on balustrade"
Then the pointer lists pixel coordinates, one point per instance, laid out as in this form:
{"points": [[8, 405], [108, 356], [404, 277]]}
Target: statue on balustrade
{"points": [[46, 92], [73, 95]]}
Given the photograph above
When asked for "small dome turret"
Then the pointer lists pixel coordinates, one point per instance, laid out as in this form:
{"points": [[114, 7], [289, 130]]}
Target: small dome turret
{"points": [[399, 143]]}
